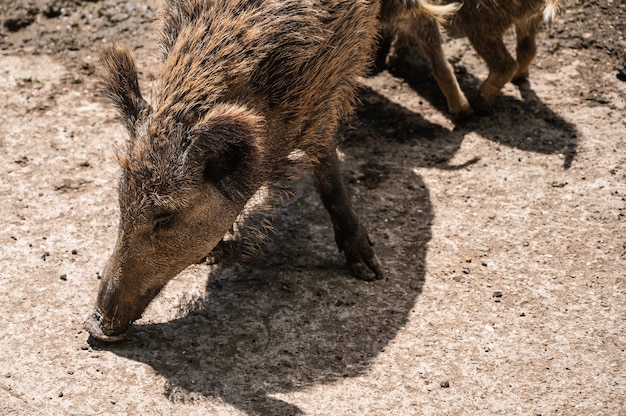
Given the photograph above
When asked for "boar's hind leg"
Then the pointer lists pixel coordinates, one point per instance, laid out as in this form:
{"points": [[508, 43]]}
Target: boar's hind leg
{"points": [[502, 66], [351, 237], [526, 46]]}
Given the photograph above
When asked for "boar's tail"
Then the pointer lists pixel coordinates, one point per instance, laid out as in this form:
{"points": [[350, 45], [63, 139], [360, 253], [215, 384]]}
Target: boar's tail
{"points": [[439, 12], [552, 7]]}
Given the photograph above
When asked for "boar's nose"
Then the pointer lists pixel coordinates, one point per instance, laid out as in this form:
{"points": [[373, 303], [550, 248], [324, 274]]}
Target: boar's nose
{"points": [[101, 328]]}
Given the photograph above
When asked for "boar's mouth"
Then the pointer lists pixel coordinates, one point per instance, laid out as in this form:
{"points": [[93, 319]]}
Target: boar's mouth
{"points": [[104, 329]]}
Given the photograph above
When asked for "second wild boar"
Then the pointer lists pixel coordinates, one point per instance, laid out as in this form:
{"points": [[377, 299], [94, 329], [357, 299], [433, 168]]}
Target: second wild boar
{"points": [[484, 23]]}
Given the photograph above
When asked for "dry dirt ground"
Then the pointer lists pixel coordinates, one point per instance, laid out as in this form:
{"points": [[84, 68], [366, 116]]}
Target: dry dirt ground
{"points": [[503, 239]]}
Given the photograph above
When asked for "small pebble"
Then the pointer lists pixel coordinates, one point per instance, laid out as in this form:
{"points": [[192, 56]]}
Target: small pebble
{"points": [[63, 277], [445, 384]]}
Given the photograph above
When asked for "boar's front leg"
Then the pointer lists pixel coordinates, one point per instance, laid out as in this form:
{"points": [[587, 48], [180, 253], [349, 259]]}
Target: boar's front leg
{"points": [[350, 235]]}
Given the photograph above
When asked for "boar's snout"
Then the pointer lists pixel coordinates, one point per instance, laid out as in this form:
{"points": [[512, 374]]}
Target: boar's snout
{"points": [[117, 305], [104, 328], [123, 294]]}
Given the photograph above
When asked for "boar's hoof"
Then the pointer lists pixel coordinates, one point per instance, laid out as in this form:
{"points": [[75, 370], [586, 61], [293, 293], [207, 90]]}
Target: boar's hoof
{"points": [[460, 109], [94, 327], [521, 78], [371, 271], [361, 258], [463, 115]]}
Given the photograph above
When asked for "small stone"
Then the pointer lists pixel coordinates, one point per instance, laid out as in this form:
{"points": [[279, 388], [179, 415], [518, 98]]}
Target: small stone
{"points": [[63, 277], [445, 384], [74, 251], [497, 294], [120, 17]]}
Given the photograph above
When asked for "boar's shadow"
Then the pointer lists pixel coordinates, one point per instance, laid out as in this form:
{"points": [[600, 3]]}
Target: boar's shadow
{"points": [[529, 125], [292, 317]]}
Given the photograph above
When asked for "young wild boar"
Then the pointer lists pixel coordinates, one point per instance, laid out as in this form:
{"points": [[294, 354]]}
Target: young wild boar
{"points": [[243, 84], [484, 23]]}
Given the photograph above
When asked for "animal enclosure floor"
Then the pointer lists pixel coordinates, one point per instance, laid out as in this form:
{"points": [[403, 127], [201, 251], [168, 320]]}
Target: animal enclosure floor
{"points": [[503, 240]]}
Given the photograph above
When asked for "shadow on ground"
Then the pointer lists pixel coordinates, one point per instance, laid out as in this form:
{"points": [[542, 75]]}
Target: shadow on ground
{"points": [[529, 125]]}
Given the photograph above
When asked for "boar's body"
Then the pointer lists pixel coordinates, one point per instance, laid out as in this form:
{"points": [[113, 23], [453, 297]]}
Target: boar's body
{"points": [[484, 23], [243, 83]]}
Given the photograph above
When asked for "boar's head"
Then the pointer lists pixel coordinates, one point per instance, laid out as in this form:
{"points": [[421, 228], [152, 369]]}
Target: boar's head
{"points": [[184, 180]]}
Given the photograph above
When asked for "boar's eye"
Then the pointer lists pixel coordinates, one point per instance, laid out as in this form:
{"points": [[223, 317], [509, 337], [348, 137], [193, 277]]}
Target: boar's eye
{"points": [[162, 222]]}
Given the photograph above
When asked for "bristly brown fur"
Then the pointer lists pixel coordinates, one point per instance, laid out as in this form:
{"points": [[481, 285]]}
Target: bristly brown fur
{"points": [[243, 87], [287, 57], [295, 67]]}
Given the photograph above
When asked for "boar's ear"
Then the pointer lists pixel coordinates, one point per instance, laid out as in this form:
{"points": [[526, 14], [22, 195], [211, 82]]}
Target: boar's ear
{"points": [[227, 143], [117, 71]]}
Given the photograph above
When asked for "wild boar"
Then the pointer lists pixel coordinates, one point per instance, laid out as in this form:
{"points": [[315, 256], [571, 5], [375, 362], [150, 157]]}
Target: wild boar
{"points": [[243, 85], [484, 23]]}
